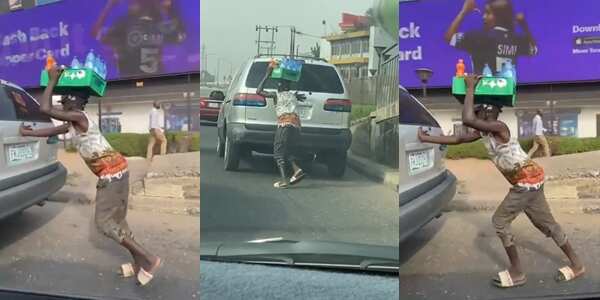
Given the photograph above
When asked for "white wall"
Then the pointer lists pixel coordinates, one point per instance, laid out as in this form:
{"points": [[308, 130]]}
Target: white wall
{"points": [[586, 122], [134, 117]]}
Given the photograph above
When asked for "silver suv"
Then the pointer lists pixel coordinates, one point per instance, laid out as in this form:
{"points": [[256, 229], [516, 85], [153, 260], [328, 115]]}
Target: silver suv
{"points": [[29, 170], [426, 186], [247, 121]]}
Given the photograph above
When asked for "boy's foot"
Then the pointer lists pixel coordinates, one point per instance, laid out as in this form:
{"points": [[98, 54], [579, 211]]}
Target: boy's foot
{"points": [[568, 273], [280, 185], [128, 270], [297, 177], [146, 273], [507, 280]]}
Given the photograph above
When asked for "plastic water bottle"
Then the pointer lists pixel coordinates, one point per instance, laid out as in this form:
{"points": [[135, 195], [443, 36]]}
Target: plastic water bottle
{"points": [[90, 60], [103, 70], [75, 64], [508, 70], [487, 72]]}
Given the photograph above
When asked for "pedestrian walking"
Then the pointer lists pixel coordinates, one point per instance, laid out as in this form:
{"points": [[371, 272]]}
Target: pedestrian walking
{"points": [[525, 195], [539, 140], [112, 189], [287, 134], [157, 133]]}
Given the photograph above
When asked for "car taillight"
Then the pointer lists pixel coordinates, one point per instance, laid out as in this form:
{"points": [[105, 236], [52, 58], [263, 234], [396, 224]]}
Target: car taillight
{"points": [[339, 105], [243, 99], [203, 104]]}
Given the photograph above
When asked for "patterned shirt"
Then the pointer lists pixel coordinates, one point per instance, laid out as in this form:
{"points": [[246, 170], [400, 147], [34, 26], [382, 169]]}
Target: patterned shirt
{"points": [[100, 157], [512, 161], [286, 109]]}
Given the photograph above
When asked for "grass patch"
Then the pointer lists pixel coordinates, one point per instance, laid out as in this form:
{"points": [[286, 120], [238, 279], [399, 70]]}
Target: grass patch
{"points": [[360, 111], [135, 144], [558, 146]]}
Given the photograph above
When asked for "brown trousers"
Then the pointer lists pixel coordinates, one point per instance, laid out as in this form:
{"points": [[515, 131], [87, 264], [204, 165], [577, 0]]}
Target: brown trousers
{"points": [[540, 141], [156, 135], [112, 199], [535, 206]]}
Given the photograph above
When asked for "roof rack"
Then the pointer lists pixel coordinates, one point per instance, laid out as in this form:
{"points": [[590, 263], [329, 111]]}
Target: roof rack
{"points": [[295, 56]]}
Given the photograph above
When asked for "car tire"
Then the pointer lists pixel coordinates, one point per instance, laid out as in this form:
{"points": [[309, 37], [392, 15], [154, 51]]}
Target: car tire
{"points": [[231, 155], [220, 146], [336, 163]]}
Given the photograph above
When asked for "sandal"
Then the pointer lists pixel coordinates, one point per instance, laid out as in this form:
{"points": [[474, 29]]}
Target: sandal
{"points": [[144, 277], [280, 185], [567, 274], [297, 177], [127, 270], [504, 280]]}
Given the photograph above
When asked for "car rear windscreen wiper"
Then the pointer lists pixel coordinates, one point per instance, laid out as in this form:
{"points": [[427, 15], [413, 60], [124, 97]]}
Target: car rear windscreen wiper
{"points": [[317, 254]]}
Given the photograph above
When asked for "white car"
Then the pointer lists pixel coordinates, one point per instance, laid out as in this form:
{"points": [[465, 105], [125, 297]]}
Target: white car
{"points": [[29, 170], [247, 121]]}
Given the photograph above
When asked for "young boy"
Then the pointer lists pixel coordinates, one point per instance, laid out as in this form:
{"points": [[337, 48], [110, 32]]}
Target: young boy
{"points": [[110, 167], [287, 134], [527, 191]]}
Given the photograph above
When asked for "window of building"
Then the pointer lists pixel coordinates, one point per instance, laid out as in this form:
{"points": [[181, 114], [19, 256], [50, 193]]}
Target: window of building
{"points": [[365, 46], [563, 122]]}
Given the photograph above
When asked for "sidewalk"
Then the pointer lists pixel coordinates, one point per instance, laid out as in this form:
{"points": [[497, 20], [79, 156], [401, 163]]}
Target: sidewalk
{"points": [[169, 184], [374, 170], [572, 183]]}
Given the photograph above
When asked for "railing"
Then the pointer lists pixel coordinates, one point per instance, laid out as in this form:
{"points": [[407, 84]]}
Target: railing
{"points": [[387, 90]]}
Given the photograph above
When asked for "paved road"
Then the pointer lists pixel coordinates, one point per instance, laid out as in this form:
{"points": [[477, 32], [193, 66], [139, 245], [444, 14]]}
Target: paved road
{"points": [[52, 249], [455, 257], [243, 205]]}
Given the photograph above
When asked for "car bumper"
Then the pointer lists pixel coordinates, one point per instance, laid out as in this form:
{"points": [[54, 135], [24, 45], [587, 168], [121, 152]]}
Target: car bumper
{"points": [[209, 114], [22, 196], [317, 139], [422, 209]]}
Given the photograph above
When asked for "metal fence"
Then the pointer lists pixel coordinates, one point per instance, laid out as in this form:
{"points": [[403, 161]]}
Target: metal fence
{"points": [[362, 90], [387, 90]]}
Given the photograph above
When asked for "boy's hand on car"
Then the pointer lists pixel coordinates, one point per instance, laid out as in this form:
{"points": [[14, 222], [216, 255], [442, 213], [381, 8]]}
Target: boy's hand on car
{"points": [[24, 130], [471, 80], [300, 97], [421, 134]]}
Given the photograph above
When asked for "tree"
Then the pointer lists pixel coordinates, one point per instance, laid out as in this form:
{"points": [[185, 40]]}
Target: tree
{"points": [[316, 50]]}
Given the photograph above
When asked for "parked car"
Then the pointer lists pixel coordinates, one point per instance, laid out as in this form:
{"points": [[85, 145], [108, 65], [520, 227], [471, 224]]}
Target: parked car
{"points": [[247, 121], [210, 106], [29, 170], [426, 186]]}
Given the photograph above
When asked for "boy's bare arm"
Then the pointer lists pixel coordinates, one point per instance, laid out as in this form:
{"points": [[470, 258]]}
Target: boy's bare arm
{"points": [[44, 132], [46, 101], [447, 140]]}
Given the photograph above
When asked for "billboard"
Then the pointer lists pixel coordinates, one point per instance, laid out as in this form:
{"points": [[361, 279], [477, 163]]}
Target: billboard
{"points": [[546, 40], [136, 38]]}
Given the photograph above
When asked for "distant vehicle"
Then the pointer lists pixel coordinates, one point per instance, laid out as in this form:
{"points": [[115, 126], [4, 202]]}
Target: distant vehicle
{"points": [[247, 121], [29, 170], [210, 106], [426, 186]]}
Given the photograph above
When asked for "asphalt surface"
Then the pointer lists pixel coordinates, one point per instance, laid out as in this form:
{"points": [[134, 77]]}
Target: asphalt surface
{"points": [[456, 256], [244, 205], [56, 249]]}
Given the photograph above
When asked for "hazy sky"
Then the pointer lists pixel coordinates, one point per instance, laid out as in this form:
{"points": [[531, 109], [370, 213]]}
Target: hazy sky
{"points": [[228, 27]]}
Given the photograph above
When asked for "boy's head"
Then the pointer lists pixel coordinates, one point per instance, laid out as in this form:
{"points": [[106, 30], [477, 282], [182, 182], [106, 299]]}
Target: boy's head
{"points": [[539, 112], [487, 112], [283, 85], [499, 13], [74, 102]]}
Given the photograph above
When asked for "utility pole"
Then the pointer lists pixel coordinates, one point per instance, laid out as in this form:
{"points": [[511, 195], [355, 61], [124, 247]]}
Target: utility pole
{"points": [[292, 40], [270, 44]]}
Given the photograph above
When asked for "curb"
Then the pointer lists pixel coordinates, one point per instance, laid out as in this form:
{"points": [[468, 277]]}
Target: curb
{"points": [[374, 170], [587, 206]]}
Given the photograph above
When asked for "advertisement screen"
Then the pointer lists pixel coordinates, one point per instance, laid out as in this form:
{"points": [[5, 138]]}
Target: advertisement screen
{"points": [[544, 40], [135, 38]]}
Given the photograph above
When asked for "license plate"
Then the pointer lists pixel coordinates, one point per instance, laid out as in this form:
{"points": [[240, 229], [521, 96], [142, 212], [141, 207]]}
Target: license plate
{"points": [[213, 105], [20, 153], [303, 112], [419, 161]]}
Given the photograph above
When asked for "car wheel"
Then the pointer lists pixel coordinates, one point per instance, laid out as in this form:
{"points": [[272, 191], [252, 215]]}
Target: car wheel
{"points": [[336, 163], [220, 146], [231, 155]]}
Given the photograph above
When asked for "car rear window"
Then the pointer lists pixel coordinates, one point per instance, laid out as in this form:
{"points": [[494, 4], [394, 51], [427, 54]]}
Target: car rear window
{"points": [[314, 78], [412, 113], [21, 107]]}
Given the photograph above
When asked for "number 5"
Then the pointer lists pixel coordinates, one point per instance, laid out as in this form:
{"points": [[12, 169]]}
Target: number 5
{"points": [[149, 60]]}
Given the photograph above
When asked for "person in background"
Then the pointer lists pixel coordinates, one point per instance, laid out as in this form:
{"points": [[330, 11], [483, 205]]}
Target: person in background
{"points": [[111, 168], [539, 139], [156, 132]]}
